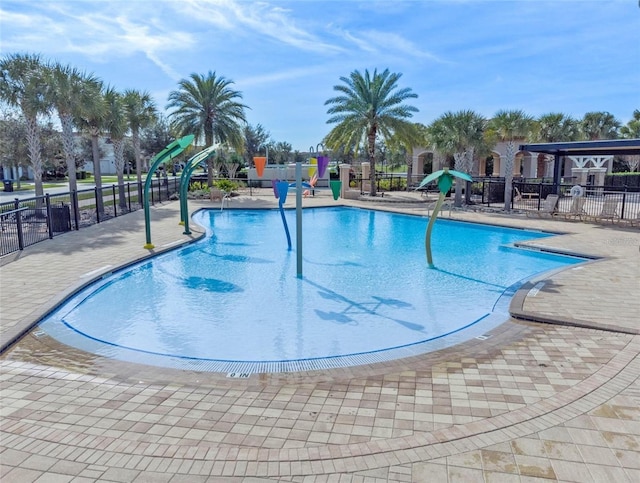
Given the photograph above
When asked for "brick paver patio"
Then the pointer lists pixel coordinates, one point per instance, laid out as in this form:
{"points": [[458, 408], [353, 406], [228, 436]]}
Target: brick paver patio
{"points": [[533, 402]]}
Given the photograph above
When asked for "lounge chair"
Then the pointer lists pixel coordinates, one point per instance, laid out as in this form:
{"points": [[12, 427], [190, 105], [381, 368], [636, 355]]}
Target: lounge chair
{"points": [[527, 196], [548, 207], [576, 210], [609, 211]]}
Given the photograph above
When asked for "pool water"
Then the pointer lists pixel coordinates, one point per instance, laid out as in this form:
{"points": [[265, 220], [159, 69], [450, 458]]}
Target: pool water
{"points": [[232, 301]]}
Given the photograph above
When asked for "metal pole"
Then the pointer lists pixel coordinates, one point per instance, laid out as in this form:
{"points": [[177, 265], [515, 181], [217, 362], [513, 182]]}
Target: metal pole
{"points": [[299, 218]]}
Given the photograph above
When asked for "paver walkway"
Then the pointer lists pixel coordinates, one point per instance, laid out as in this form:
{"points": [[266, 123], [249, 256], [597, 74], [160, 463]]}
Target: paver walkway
{"points": [[533, 402]]}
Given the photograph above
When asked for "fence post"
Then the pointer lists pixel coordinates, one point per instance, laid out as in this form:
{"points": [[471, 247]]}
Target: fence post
{"points": [[47, 200], [129, 195], [76, 208], [16, 206], [113, 200], [95, 192], [624, 197]]}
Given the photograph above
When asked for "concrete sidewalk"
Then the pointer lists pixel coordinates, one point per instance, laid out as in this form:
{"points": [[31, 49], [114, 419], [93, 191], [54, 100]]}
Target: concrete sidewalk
{"points": [[534, 402]]}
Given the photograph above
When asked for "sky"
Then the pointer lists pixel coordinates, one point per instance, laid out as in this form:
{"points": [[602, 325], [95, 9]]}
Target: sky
{"points": [[285, 57]]}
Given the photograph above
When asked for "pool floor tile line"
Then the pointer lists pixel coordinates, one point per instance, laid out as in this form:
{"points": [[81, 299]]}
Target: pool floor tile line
{"points": [[584, 372]]}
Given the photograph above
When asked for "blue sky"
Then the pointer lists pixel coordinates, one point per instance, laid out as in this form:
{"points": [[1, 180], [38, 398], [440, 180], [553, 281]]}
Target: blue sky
{"points": [[285, 57]]}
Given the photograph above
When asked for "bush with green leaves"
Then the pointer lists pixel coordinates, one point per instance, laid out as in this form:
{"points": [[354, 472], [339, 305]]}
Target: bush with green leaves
{"points": [[225, 185], [199, 189]]}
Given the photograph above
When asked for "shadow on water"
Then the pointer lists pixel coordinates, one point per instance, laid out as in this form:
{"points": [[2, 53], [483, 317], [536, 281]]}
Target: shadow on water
{"points": [[332, 264], [471, 279], [336, 317], [239, 258], [353, 307], [211, 285]]}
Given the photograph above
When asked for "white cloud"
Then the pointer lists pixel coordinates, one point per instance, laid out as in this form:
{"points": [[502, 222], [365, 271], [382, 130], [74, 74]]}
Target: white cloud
{"points": [[259, 18], [388, 43], [99, 34], [282, 76]]}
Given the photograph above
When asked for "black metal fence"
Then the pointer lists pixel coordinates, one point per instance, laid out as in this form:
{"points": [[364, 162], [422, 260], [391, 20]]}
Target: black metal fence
{"points": [[24, 222], [527, 194]]}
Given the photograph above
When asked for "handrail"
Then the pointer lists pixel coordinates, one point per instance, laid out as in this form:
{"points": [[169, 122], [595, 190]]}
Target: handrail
{"points": [[10, 212]]}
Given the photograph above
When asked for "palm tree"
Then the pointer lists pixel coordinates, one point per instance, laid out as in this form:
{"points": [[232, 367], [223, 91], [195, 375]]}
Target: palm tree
{"points": [[459, 134], [550, 128], [632, 131], [116, 125], [70, 91], [444, 177], [368, 106], [599, 125], [22, 85], [207, 105], [92, 120], [141, 112], [509, 127]]}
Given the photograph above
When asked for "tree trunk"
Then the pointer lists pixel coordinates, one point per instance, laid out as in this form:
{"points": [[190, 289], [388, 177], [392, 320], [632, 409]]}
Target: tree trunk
{"points": [[508, 174], [468, 170], [209, 172], [409, 173], [371, 148], [460, 166], [69, 150], [232, 169], [97, 172], [208, 141], [33, 143], [118, 151], [135, 137]]}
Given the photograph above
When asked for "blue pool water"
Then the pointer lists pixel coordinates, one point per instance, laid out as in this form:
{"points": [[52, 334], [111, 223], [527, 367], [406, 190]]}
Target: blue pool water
{"points": [[233, 302]]}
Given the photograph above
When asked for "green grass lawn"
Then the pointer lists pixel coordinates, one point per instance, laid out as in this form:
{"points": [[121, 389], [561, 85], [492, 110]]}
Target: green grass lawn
{"points": [[106, 180]]}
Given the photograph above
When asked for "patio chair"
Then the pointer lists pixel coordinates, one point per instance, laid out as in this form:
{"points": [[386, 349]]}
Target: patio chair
{"points": [[525, 196], [576, 210], [548, 207], [609, 211]]}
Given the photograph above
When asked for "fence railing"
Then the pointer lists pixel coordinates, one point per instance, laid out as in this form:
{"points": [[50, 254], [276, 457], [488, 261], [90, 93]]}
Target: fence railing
{"points": [[24, 222]]}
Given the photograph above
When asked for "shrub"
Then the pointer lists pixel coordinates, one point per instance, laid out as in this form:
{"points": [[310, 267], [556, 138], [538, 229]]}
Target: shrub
{"points": [[226, 185], [199, 186]]}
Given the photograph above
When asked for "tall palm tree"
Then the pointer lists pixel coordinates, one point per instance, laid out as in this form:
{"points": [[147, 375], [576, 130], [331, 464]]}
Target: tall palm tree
{"points": [[141, 113], [510, 127], [459, 134], [92, 120], [206, 105], [550, 128], [116, 126], [368, 106], [599, 125], [22, 85], [70, 91]]}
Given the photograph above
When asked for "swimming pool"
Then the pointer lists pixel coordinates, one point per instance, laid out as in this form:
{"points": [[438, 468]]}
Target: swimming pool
{"points": [[232, 302]]}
